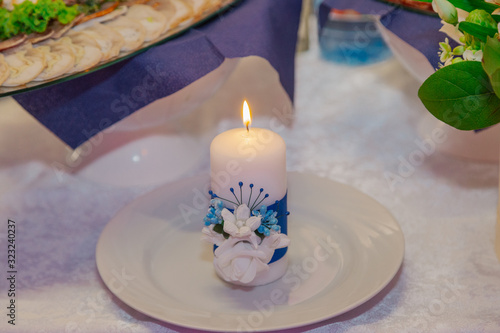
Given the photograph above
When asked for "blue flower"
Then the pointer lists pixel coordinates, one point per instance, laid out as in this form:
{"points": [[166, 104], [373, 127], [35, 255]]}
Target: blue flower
{"points": [[214, 212], [217, 204], [268, 220]]}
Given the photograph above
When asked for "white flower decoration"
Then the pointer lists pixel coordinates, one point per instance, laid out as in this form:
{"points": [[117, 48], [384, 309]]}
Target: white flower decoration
{"points": [[452, 29], [446, 11], [275, 241], [243, 255], [240, 224], [445, 51], [240, 261], [449, 61], [473, 55], [209, 235]]}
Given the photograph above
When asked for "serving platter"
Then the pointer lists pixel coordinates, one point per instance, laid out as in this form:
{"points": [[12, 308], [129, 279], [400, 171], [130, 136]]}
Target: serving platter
{"points": [[163, 38]]}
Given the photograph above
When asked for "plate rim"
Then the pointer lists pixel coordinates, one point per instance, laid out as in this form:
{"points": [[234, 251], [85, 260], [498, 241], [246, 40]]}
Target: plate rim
{"points": [[272, 327]]}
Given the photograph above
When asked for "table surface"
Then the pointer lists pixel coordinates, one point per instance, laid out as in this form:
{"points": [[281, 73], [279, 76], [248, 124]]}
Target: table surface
{"points": [[354, 125]]}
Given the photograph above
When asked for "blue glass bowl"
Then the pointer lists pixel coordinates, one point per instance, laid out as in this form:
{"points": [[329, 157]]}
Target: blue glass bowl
{"points": [[352, 40]]}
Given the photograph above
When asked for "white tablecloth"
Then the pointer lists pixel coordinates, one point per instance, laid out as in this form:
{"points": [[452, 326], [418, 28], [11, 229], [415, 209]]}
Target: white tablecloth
{"points": [[355, 125]]}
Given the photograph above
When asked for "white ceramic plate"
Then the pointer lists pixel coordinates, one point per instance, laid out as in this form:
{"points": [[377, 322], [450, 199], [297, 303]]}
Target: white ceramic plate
{"points": [[345, 248]]}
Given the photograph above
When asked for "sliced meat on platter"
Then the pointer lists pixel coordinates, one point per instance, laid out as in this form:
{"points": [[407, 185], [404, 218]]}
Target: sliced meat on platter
{"points": [[106, 9], [121, 10], [109, 40], [87, 40], [86, 49], [25, 64], [132, 32], [59, 60], [61, 29], [199, 6], [176, 12], [216, 3], [4, 69], [37, 38], [153, 21], [12, 42]]}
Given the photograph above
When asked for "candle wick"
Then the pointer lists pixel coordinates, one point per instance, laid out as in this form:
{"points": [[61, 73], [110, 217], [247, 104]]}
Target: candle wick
{"points": [[247, 127]]}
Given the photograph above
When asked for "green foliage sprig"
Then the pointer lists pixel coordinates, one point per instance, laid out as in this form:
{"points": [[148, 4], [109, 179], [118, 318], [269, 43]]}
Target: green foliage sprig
{"points": [[465, 92], [29, 17]]}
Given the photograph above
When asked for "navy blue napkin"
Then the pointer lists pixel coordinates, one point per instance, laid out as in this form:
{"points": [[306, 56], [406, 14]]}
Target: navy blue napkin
{"points": [[78, 109], [420, 30]]}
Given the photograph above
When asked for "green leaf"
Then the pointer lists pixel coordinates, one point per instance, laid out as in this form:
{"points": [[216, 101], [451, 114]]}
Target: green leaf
{"points": [[218, 228], [461, 96], [470, 5], [491, 55], [491, 63], [495, 81], [261, 235], [476, 30]]}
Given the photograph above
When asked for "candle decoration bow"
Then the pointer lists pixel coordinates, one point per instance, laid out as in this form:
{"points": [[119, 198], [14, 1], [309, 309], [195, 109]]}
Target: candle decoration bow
{"points": [[247, 224]]}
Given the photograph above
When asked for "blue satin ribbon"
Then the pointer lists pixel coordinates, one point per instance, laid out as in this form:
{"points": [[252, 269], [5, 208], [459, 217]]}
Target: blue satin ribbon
{"points": [[282, 216]]}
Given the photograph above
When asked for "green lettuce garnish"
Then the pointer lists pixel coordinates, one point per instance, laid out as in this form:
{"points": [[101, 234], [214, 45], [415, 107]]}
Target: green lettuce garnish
{"points": [[28, 17]]}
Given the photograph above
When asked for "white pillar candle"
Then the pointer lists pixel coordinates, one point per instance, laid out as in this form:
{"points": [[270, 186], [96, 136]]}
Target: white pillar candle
{"points": [[255, 156], [248, 168]]}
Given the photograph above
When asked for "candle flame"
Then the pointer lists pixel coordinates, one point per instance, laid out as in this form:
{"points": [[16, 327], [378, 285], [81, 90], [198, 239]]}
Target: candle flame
{"points": [[247, 116]]}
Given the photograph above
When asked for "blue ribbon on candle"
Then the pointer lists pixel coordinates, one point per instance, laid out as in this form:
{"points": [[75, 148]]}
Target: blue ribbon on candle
{"points": [[281, 208]]}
